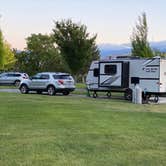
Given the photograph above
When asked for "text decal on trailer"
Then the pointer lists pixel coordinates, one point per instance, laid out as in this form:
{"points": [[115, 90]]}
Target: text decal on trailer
{"points": [[150, 69]]}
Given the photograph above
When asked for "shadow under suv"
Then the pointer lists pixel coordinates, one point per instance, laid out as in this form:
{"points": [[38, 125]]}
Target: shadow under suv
{"points": [[49, 82]]}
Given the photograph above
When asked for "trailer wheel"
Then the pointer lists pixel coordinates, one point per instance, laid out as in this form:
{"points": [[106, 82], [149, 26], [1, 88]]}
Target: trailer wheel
{"points": [[95, 95], [109, 94], [156, 98], [128, 94], [145, 98]]}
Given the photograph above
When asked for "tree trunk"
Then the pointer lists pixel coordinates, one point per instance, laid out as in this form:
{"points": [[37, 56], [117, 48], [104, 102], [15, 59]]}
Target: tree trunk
{"points": [[83, 78]]}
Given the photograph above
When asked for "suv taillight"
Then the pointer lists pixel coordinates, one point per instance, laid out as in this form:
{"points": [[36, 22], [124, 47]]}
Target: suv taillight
{"points": [[25, 77], [61, 82]]}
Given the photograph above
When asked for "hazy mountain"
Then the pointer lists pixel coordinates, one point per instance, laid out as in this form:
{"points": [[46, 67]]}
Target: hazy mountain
{"points": [[125, 49], [161, 46], [114, 49]]}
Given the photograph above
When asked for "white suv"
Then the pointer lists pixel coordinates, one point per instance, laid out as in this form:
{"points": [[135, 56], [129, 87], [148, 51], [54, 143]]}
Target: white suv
{"points": [[12, 78], [49, 82]]}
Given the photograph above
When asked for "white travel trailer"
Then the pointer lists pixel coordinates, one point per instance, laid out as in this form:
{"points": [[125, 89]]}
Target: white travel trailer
{"points": [[122, 74]]}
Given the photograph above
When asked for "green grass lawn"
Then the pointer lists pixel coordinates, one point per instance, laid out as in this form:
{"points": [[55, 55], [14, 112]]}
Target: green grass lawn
{"points": [[40, 130], [81, 85]]}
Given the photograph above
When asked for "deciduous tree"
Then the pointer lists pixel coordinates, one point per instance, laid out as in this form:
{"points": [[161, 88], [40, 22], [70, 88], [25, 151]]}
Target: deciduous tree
{"points": [[40, 55], [75, 44], [7, 58]]}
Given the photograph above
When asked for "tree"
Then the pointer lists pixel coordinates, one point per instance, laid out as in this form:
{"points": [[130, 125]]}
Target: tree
{"points": [[22, 61], [7, 59], [139, 41], [1, 50], [160, 54], [41, 54], [75, 44]]}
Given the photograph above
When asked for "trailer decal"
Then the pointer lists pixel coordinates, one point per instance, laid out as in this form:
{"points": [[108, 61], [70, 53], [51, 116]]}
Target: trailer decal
{"points": [[110, 80]]}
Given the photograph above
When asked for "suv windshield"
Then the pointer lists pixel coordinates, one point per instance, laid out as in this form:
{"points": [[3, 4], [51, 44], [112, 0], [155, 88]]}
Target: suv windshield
{"points": [[63, 77]]}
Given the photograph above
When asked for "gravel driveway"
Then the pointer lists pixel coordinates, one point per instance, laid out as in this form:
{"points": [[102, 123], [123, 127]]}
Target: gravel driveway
{"points": [[10, 90]]}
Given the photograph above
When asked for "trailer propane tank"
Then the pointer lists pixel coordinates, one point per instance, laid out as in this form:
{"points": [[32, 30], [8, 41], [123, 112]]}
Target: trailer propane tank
{"points": [[134, 95], [138, 94]]}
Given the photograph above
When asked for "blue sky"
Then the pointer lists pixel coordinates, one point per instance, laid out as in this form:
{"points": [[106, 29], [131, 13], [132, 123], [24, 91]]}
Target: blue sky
{"points": [[112, 20]]}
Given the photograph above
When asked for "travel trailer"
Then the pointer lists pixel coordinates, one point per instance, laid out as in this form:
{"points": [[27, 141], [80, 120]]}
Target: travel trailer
{"points": [[123, 74]]}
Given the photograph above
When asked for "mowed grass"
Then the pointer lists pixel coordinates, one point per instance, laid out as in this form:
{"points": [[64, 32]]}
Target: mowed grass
{"points": [[40, 130], [81, 85]]}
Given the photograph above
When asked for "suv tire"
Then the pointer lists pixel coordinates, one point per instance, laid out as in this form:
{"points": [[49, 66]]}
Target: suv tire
{"points": [[24, 89], [51, 90], [17, 83]]}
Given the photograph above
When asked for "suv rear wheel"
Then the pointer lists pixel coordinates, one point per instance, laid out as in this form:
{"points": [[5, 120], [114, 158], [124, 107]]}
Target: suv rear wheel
{"points": [[51, 90], [24, 89], [17, 83]]}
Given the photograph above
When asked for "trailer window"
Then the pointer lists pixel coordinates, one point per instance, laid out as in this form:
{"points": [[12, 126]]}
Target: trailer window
{"points": [[96, 72], [110, 69]]}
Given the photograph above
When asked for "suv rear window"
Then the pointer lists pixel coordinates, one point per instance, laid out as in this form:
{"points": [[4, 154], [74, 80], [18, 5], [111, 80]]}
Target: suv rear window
{"points": [[17, 75], [63, 77]]}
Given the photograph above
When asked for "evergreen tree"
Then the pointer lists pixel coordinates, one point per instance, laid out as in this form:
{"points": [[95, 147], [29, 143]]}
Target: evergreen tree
{"points": [[139, 41]]}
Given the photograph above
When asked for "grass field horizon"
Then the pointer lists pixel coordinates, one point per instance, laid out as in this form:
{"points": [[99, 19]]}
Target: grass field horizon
{"points": [[72, 131]]}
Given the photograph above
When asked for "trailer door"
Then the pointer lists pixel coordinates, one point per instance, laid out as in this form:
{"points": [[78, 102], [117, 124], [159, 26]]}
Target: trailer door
{"points": [[110, 74]]}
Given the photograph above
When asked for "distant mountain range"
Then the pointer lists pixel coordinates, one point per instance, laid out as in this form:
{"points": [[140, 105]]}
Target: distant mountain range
{"points": [[125, 49]]}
